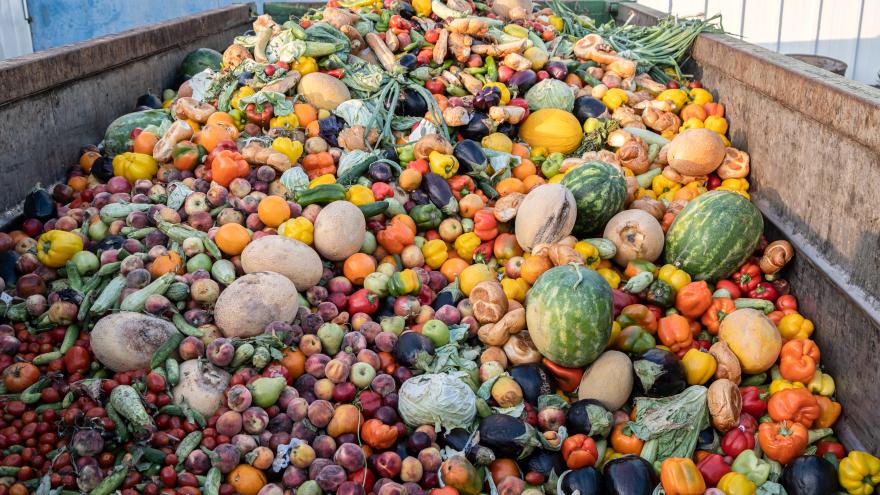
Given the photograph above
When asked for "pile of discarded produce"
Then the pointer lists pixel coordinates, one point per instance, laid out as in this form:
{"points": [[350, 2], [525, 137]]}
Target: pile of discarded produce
{"points": [[407, 248]]}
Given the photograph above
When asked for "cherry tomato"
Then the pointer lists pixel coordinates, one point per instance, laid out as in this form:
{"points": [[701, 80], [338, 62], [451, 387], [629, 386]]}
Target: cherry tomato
{"points": [[77, 360]]}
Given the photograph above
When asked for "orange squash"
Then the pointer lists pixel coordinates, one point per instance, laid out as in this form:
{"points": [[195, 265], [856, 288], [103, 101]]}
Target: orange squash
{"points": [[170, 262], [246, 480], [753, 339]]}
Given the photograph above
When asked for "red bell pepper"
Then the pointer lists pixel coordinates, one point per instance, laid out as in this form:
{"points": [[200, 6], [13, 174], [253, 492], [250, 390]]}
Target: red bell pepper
{"points": [[764, 290], [754, 401], [701, 345], [421, 165], [830, 447], [381, 190], [748, 276], [713, 467], [363, 301], [259, 115], [484, 252], [579, 451], [737, 440], [568, 379], [730, 287]]}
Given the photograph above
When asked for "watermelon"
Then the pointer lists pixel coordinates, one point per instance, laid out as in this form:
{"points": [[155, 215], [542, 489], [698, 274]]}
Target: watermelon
{"points": [[198, 60], [713, 235], [599, 191], [569, 313], [117, 137]]}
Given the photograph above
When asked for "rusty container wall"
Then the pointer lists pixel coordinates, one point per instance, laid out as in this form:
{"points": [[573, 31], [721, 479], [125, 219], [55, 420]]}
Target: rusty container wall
{"points": [[57, 100], [814, 142]]}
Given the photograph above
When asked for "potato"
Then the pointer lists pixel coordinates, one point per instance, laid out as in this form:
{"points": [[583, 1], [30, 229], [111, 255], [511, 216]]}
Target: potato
{"points": [[289, 257], [202, 385], [253, 301], [609, 380], [339, 230], [126, 341]]}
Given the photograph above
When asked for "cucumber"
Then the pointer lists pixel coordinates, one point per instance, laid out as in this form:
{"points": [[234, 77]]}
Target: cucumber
{"points": [[374, 208], [325, 193]]}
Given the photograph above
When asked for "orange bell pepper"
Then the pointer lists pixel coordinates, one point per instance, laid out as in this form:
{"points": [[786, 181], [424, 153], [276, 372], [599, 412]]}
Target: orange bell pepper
{"points": [[675, 333], [396, 236], [798, 360], [829, 411], [228, 165], [579, 451], [693, 299], [720, 307], [783, 441], [378, 435], [485, 225], [680, 476], [793, 404]]}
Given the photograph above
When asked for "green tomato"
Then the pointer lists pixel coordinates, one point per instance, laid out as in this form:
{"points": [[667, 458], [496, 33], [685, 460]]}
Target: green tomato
{"points": [[86, 262], [377, 283], [369, 245], [437, 331], [98, 231], [200, 261], [393, 324]]}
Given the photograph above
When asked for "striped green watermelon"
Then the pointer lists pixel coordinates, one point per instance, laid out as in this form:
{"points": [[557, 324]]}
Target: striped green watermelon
{"points": [[198, 60], [599, 191], [713, 235], [569, 314]]}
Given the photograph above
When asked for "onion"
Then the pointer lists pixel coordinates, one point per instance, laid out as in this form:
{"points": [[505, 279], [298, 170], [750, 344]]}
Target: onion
{"points": [[29, 285]]}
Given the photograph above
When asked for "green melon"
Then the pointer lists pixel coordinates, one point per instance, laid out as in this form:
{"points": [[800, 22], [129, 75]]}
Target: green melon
{"points": [[599, 191], [569, 313], [713, 235], [198, 60]]}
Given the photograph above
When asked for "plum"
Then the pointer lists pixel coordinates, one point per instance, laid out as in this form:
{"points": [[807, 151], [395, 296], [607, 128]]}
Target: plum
{"points": [[350, 456], [320, 413], [316, 467], [294, 477], [303, 430], [350, 488], [229, 423], [383, 384], [197, 462], [430, 459], [388, 464], [271, 489], [297, 409], [227, 457], [245, 443], [330, 477], [279, 423], [254, 420], [238, 398], [220, 352]]}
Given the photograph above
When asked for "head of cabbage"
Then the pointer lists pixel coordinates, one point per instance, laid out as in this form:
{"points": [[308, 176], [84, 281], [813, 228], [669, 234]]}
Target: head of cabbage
{"points": [[550, 93], [439, 399]]}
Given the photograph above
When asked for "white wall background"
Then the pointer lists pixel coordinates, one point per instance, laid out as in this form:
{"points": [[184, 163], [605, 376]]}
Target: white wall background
{"points": [[848, 30], [15, 32]]}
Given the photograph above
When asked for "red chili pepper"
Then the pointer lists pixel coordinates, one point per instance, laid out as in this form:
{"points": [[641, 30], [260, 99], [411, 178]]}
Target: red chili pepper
{"points": [[828, 447], [282, 65], [381, 190], [730, 287], [701, 345], [397, 22], [363, 301], [695, 84], [737, 440], [754, 401], [748, 276], [305, 23], [337, 73], [435, 86], [672, 85], [764, 290], [269, 70], [713, 467]]}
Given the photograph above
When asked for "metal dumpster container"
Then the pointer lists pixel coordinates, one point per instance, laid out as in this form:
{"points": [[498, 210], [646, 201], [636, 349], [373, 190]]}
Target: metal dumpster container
{"points": [[813, 137]]}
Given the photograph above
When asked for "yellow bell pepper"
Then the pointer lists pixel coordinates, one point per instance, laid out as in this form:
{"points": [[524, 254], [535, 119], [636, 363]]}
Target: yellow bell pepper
{"points": [[360, 195], [498, 142], [305, 65], [435, 253], [661, 184], [779, 385], [699, 366], [589, 253], [734, 483], [56, 247], [859, 473], [515, 288], [288, 122], [422, 7], [556, 179], [716, 123], [466, 244], [822, 384], [646, 193], [611, 276], [673, 276], [444, 165], [615, 331], [239, 94], [293, 150], [167, 103], [610, 454], [134, 166], [700, 96], [538, 152], [795, 326], [740, 186], [557, 22], [322, 180], [677, 97], [614, 98], [299, 228], [505, 93], [691, 123]]}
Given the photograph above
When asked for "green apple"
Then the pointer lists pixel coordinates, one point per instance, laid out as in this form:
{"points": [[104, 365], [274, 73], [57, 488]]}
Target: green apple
{"points": [[437, 331]]}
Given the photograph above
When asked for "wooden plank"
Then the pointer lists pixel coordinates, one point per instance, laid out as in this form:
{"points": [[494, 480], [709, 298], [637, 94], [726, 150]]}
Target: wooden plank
{"points": [[41, 71]]}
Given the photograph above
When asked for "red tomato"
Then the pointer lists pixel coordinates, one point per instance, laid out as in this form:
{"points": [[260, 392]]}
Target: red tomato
{"points": [[77, 360]]}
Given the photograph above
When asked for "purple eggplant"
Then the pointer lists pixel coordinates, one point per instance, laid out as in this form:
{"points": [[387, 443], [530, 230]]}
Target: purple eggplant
{"points": [[522, 80], [440, 193], [556, 69]]}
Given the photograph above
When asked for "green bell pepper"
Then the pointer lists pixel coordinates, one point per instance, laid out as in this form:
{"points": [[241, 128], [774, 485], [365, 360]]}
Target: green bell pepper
{"points": [[404, 282], [754, 468], [427, 216]]}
